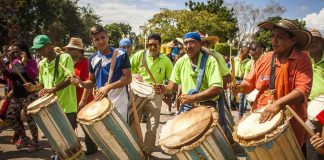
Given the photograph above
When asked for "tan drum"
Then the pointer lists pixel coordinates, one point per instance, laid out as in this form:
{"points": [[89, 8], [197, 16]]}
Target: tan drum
{"points": [[251, 96], [108, 130], [314, 108], [273, 139], [142, 93], [195, 134]]}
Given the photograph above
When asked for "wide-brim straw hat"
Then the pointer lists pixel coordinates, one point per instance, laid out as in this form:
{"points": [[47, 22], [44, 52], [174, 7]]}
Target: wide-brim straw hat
{"points": [[316, 33], [210, 39], [75, 43], [303, 37]]}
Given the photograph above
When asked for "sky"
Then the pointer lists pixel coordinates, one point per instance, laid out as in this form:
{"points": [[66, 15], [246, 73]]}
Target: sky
{"points": [[137, 12]]}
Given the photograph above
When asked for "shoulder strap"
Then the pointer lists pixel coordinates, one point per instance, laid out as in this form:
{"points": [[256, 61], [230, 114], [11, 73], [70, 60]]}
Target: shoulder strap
{"points": [[57, 59], [146, 67], [112, 65], [201, 71], [273, 73]]}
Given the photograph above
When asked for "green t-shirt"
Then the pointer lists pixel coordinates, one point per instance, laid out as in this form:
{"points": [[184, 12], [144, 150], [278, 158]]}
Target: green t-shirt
{"points": [[240, 66], [66, 96], [160, 68], [318, 78], [224, 70], [183, 74]]}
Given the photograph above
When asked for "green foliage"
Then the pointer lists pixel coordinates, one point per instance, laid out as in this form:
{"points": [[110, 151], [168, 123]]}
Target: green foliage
{"points": [[224, 49], [117, 31], [264, 36], [60, 19], [175, 23]]}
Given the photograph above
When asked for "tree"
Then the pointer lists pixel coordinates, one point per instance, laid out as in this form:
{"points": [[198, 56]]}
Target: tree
{"points": [[264, 36], [175, 23], [249, 16], [60, 19], [117, 31]]}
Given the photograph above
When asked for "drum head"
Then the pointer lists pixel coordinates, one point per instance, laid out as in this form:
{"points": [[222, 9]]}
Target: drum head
{"points": [[142, 89], [186, 128], [94, 110], [250, 128], [42, 102], [315, 107]]}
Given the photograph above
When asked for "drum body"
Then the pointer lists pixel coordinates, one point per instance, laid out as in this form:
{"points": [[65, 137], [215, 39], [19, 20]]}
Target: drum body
{"points": [[314, 108], [51, 119], [109, 131], [251, 96], [273, 139], [142, 93], [195, 134]]}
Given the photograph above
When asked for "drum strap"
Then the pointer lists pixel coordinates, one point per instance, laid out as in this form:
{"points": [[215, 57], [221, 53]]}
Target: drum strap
{"points": [[57, 59], [146, 67], [272, 75], [112, 65]]}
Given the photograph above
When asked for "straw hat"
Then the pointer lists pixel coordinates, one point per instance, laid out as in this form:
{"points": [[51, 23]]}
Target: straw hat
{"points": [[303, 37], [210, 39], [316, 33], [75, 43]]}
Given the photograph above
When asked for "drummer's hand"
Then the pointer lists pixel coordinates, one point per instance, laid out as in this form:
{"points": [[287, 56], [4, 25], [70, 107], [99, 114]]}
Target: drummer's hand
{"points": [[159, 89], [29, 87], [317, 141], [139, 78], [269, 112], [81, 104], [76, 80], [236, 88], [102, 92], [45, 91], [186, 99]]}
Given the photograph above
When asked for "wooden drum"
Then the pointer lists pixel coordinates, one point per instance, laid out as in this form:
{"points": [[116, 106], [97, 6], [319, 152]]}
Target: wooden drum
{"points": [[195, 134], [273, 139], [109, 131], [51, 119]]}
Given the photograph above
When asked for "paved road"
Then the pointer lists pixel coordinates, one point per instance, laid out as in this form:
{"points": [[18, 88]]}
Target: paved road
{"points": [[8, 151]]}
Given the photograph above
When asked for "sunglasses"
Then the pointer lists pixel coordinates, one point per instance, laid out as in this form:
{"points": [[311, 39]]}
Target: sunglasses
{"points": [[153, 45]]}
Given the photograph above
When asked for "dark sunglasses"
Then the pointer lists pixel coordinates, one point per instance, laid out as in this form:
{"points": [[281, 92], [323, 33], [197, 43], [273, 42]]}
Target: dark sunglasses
{"points": [[153, 45]]}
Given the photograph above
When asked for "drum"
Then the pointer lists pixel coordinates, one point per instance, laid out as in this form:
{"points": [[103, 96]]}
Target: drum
{"points": [[142, 93], [251, 96], [195, 134], [273, 139], [109, 131], [314, 108], [51, 119]]}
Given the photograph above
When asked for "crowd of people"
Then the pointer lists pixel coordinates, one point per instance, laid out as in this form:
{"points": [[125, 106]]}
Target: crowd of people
{"points": [[200, 76]]}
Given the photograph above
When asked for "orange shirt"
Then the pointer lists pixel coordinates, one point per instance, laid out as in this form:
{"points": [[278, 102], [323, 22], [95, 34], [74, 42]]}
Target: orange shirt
{"points": [[300, 77]]}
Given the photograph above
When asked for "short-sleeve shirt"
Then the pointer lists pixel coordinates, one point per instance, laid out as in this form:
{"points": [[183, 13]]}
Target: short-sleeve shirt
{"points": [[184, 74], [81, 69], [318, 78], [222, 64], [240, 66], [118, 95], [67, 96], [160, 68]]}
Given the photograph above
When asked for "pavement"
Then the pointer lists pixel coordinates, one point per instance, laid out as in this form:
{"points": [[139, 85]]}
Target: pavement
{"points": [[9, 152]]}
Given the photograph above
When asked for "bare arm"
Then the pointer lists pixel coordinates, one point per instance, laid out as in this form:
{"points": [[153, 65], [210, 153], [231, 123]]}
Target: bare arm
{"points": [[209, 93]]}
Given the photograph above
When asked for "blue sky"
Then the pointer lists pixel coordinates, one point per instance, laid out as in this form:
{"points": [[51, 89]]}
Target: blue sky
{"points": [[137, 12]]}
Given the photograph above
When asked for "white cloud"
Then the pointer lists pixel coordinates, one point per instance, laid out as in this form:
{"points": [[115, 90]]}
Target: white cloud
{"points": [[315, 20], [126, 11]]}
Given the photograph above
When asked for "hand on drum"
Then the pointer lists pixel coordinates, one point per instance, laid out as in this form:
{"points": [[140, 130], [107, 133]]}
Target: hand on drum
{"points": [[236, 88], [269, 112], [139, 78], [317, 141], [186, 99], [45, 91], [102, 92]]}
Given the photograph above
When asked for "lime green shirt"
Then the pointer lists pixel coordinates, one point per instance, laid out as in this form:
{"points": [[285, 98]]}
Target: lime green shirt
{"points": [[224, 70], [66, 96], [183, 74], [160, 68], [249, 66], [240, 66], [318, 78]]}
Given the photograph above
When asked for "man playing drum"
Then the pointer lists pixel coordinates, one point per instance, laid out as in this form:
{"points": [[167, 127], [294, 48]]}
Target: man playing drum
{"points": [[160, 67], [99, 69], [186, 71], [316, 49], [292, 79]]}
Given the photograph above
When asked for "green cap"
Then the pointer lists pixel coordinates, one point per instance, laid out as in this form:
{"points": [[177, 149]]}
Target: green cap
{"points": [[40, 41]]}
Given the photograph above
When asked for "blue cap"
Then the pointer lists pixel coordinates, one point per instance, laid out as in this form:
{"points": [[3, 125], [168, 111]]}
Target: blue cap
{"points": [[193, 35], [125, 42]]}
